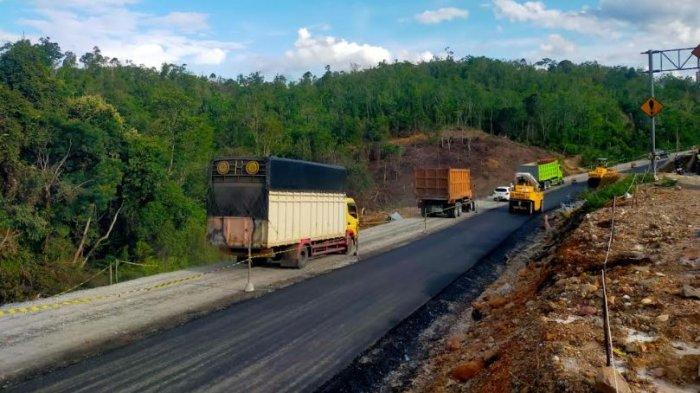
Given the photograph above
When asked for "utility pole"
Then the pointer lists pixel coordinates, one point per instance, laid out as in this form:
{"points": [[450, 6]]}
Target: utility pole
{"points": [[653, 118]]}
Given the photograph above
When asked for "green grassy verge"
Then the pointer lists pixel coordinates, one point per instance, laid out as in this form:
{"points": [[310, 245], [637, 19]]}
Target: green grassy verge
{"points": [[595, 199]]}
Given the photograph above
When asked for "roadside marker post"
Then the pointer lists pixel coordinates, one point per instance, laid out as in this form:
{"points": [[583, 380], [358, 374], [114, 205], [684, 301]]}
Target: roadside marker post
{"points": [[249, 287]]}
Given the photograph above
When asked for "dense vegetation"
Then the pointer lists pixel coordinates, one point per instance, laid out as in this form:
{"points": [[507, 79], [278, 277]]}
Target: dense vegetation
{"points": [[101, 160]]}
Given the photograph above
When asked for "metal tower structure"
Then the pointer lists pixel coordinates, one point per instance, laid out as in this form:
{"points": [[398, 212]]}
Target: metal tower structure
{"points": [[681, 59]]}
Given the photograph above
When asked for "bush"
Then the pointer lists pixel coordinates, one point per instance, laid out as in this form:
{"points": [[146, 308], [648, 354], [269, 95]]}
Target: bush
{"points": [[595, 199]]}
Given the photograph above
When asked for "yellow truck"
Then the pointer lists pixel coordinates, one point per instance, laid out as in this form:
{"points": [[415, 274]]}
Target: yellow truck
{"points": [[282, 209], [526, 196]]}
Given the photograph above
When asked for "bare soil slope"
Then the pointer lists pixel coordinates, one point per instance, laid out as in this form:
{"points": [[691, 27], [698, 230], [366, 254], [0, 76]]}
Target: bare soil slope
{"points": [[491, 159], [539, 328]]}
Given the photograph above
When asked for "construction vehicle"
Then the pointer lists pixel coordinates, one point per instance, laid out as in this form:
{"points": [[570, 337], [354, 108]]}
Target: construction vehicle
{"points": [[280, 209], [443, 190], [527, 194], [602, 175], [547, 171]]}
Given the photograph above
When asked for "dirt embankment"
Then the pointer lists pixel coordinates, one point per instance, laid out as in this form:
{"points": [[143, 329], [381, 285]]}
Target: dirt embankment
{"points": [[540, 327], [491, 159]]}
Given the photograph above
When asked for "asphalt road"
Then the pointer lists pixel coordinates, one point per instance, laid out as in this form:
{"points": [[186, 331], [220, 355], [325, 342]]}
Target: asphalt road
{"points": [[296, 338]]}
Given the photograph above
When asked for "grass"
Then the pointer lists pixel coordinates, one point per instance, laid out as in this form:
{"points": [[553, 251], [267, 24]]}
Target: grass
{"points": [[595, 199]]}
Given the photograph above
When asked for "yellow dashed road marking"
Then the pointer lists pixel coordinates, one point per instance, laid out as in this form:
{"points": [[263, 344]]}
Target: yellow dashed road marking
{"points": [[83, 300]]}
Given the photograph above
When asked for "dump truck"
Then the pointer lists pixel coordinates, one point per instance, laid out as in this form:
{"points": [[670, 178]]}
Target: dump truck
{"points": [[601, 174], [280, 209], [547, 171], [527, 195], [443, 190]]}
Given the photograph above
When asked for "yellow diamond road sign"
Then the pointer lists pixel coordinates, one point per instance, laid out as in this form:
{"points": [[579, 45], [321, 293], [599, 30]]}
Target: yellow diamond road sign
{"points": [[696, 51], [652, 107]]}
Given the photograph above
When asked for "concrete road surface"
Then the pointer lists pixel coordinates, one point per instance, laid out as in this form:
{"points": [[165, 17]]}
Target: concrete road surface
{"points": [[298, 337]]}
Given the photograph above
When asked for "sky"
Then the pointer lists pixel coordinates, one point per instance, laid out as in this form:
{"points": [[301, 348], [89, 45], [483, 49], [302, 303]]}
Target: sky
{"points": [[290, 37]]}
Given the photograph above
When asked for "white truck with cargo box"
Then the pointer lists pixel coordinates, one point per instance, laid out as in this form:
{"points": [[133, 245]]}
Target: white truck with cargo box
{"points": [[282, 209]]}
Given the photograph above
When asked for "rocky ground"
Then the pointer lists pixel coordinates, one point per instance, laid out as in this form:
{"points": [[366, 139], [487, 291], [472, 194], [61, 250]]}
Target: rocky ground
{"points": [[539, 327]]}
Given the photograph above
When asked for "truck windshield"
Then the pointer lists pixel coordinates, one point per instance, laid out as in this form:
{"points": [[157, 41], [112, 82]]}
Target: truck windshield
{"points": [[352, 209]]}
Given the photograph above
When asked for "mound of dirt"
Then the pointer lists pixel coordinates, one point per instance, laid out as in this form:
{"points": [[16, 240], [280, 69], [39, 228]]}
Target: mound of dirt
{"points": [[540, 328], [492, 160]]}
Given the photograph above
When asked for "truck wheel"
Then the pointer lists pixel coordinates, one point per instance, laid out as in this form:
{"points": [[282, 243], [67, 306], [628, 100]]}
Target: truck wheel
{"points": [[473, 205], [547, 184], [351, 246], [457, 210], [302, 258], [530, 207]]}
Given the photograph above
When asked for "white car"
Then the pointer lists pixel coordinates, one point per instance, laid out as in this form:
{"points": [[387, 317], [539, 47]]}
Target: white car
{"points": [[501, 194]]}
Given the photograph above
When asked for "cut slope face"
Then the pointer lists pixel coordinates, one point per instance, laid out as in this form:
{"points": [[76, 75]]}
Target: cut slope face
{"points": [[492, 160], [540, 328]]}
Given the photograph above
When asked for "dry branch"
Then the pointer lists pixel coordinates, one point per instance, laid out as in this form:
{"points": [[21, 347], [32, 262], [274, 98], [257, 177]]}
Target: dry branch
{"points": [[79, 251], [103, 238]]}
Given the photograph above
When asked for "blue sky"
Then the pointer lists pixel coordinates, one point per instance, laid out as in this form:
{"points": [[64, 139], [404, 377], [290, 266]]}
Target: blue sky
{"points": [[289, 37]]}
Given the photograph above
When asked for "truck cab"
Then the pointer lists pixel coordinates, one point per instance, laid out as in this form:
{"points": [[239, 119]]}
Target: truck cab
{"points": [[352, 219]]}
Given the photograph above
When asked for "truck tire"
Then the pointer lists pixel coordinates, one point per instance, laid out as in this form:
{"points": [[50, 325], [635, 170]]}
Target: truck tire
{"points": [[457, 210], [530, 207], [351, 246], [547, 184], [473, 205], [302, 258]]}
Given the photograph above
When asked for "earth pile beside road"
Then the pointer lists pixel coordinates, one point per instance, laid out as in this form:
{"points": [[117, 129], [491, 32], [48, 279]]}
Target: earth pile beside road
{"points": [[540, 326]]}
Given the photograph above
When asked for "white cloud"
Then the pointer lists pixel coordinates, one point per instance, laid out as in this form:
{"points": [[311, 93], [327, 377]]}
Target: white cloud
{"points": [[183, 21], [310, 51], [313, 52], [8, 37], [617, 30], [557, 45], [441, 15], [176, 37], [666, 23], [416, 57], [536, 12]]}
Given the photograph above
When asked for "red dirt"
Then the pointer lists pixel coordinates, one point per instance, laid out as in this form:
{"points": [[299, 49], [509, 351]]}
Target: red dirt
{"points": [[546, 329], [492, 160]]}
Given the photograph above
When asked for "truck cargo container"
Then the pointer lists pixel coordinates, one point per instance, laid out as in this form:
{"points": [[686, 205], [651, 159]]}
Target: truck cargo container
{"points": [[283, 209], [546, 171], [443, 190]]}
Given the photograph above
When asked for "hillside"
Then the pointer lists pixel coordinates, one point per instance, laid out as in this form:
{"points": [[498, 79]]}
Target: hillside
{"points": [[491, 159], [102, 160]]}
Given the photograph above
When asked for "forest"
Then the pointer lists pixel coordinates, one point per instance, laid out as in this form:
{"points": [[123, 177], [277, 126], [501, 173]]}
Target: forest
{"points": [[103, 160]]}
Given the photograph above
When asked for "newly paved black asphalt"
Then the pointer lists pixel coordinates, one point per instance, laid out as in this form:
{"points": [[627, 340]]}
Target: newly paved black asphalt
{"points": [[295, 338]]}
